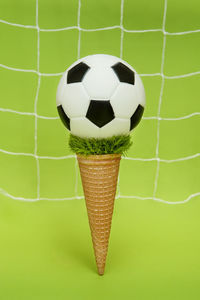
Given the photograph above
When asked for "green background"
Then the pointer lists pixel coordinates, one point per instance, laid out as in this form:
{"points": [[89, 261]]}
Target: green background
{"points": [[45, 246]]}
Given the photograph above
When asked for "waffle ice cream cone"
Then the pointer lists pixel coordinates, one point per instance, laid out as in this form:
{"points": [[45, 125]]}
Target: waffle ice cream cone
{"points": [[99, 175]]}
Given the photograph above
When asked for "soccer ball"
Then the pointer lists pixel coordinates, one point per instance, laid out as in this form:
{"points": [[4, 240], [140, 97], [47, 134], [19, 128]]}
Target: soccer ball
{"points": [[100, 96]]}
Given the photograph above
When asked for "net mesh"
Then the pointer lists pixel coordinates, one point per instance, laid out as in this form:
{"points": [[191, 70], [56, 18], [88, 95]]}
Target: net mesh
{"points": [[42, 160]]}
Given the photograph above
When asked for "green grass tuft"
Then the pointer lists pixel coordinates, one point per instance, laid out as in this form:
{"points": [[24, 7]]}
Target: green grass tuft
{"points": [[92, 146]]}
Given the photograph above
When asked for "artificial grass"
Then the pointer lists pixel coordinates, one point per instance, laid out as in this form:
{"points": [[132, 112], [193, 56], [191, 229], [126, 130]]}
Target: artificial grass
{"points": [[90, 146]]}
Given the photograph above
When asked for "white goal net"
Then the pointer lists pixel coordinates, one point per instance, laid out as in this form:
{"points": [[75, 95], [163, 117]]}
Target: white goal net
{"points": [[152, 166]]}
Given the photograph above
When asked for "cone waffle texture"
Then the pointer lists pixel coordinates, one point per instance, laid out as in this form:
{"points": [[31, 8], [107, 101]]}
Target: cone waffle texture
{"points": [[99, 175]]}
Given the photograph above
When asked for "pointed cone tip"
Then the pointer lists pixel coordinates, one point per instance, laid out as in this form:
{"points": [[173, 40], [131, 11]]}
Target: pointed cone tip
{"points": [[101, 272]]}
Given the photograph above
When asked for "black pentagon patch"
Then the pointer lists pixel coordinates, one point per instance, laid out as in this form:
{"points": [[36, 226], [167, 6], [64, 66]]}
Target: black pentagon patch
{"points": [[77, 73], [136, 117], [123, 73], [63, 116], [100, 112]]}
